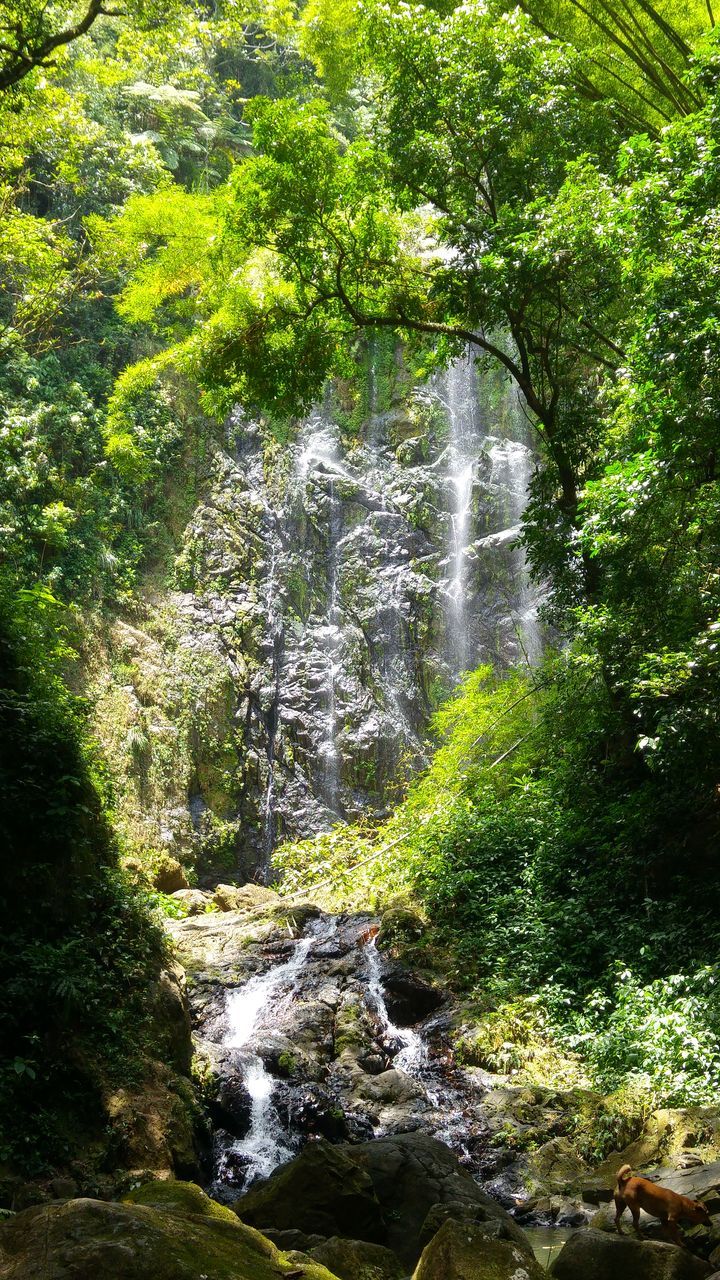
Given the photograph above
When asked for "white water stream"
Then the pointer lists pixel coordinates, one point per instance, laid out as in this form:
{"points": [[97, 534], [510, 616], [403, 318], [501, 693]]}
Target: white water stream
{"points": [[511, 471], [413, 1055], [249, 1010]]}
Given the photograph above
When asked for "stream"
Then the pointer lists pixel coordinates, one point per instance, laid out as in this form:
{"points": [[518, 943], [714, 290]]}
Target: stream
{"points": [[323, 1035]]}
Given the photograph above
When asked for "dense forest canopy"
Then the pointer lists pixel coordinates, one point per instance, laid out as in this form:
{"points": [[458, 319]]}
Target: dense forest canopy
{"points": [[201, 207]]}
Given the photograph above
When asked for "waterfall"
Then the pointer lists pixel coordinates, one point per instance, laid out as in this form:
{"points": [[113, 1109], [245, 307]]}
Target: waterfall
{"points": [[320, 457], [347, 574], [512, 466], [333, 639], [413, 1055], [273, 613], [457, 392], [251, 1009]]}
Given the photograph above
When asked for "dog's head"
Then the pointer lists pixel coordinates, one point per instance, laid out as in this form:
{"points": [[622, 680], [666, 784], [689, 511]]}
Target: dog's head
{"points": [[698, 1212]]}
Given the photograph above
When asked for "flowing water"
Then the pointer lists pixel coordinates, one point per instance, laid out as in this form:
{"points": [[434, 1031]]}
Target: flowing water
{"points": [[512, 466], [251, 1010], [266, 1004], [409, 1052]]}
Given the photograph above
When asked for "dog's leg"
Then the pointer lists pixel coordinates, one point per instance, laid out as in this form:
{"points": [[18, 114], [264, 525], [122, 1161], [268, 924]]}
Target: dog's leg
{"points": [[635, 1211], [620, 1207], [674, 1230]]}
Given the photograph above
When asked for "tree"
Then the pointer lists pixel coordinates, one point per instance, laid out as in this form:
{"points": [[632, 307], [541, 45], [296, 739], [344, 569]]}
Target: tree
{"points": [[32, 33], [470, 214]]}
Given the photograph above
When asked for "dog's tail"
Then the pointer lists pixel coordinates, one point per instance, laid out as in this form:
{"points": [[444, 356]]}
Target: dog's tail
{"points": [[624, 1175]]}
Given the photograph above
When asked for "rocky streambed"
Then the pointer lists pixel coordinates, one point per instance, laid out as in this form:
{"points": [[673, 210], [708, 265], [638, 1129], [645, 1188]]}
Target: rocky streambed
{"points": [[347, 1143]]}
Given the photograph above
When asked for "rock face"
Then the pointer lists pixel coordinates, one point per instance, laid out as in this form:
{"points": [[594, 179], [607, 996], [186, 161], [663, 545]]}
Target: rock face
{"points": [[597, 1255], [462, 1251], [92, 1240], [330, 587]]}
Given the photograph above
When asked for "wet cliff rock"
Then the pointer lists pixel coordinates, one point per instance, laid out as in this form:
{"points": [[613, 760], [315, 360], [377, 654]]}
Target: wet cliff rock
{"points": [[332, 581]]}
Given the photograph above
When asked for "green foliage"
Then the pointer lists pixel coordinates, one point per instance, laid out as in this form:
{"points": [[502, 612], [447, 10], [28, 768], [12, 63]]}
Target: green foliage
{"points": [[449, 175], [662, 1037]]}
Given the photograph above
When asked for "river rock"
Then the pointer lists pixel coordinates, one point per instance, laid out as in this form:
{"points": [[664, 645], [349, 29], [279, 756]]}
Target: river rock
{"points": [[357, 1259], [491, 1227], [462, 1251], [597, 1255], [322, 1190], [94, 1240]]}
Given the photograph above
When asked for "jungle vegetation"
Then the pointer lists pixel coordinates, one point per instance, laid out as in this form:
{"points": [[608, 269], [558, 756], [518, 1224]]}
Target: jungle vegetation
{"points": [[203, 206]]}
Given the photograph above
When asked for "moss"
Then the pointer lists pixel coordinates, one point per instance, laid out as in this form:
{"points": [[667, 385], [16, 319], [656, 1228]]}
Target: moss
{"points": [[93, 1240], [179, 1197]]}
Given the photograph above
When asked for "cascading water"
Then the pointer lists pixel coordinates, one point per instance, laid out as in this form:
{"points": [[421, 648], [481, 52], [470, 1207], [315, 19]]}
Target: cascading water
{"points": [[273, 613], [329, 747], [457, 391], [249, 1010], [413, 1055], [445, 1097], [512, 466]]}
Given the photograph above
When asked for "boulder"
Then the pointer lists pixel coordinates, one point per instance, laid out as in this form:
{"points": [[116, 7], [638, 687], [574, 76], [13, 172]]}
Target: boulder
{"points": [[411, 1173], [555, 1166], [168, 876], [246, 897], [154, 1125], [462, 1251], [491, 1228], [357, 1259], [598, 1255], [94, 1240], [322, 1190], [172, 1033], [195, 901]]}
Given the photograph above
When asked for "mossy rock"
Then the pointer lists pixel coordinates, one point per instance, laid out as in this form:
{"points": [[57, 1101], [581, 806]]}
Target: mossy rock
{"points": [[461, 1251], [358, 1259], [174, 1196], [399, 925], [94, 1240], [168, 875], [245, 897], [555, 1166], [322, 1190]]}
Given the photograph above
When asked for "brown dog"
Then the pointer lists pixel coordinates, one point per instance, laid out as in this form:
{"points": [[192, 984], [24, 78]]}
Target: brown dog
{"points": [[639, 1193]]}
